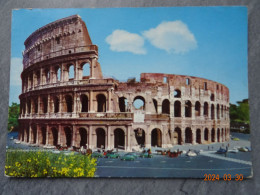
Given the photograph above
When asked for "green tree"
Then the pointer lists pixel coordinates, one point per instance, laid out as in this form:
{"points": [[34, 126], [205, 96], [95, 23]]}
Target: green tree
{"points": [[13, 114]]}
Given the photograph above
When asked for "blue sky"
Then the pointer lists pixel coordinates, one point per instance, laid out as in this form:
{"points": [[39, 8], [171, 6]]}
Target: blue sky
{"points": [[207, 42]]}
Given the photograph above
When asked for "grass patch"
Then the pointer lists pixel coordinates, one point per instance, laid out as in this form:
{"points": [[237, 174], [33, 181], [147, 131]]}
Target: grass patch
{"points": [[46, 164]]}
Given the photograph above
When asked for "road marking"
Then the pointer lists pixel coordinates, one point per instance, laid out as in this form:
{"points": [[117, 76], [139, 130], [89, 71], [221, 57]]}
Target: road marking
{"points": [[184, 169], [108, 161], [225, 158]]}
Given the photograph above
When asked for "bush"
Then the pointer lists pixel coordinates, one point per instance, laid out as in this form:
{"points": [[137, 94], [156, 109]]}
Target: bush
{"points": [[47, 164]]}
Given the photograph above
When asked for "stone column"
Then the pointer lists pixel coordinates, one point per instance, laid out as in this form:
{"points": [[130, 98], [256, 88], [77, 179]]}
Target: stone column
{"points": [[39, 105], [47, 134], [37, 131], [62, 72], [41, 76], [183, 134], [202, 135], [60, 103], [76, 72], [90, 137], [91, 102], [109, 103], [74, 135], [193, 131], [108, 137], [183, 109], [49, 104], [193, 112], [159, 106], [147, 138], [128, 143], [74, 102], [59, 134], [30, 133]]}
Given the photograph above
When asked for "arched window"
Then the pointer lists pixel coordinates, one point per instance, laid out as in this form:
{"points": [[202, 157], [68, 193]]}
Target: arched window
{"points": [[139, 103], [56, 104], [212, 111], [71, 71], [177, 93], [188, 135], [187, 81], [187, 108], [218, 112], [212, 97], [58, 74], [197, 108], [84, 103], [155, 105], [177, 109], [166, 106], [69, 103], [101, 103], [206, 109], [45, 104], [123, 104], [85, 71]]}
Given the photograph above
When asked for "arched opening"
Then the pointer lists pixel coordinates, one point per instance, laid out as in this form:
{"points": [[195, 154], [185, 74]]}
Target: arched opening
{"points": [[84, 103], [119, 139], [156, 137], [206, 109], [212, 111], [222, 135], [166, 106], [206, 134], [68, 136], [197, 108], [155, 105], [122, 104], [140, 136], [222, 111], [188, 135], [22, 134], [177, 109], [101, 136], [187, 81], [85, 71], [71, 71], [177, 135], [212, 97], [54, 132], [56, 104], [198, 136], [35, 105], [45, 104], [213, 135], [69, 103], [218, 135], [177, 93], [139, 103], [47, 75], [38, 75], [43, 131], [101, 103], [83, 137], [58, 74], [29, 106], [187, 108], [34, 134], [218, 112]]}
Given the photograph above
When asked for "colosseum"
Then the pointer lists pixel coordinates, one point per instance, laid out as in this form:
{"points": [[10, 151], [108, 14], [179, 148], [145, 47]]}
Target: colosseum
{"points": [[66, 101]]}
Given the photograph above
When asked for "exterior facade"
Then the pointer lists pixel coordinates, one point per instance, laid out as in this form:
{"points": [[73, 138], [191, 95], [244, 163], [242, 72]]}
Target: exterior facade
{"points": [[66, 101]]}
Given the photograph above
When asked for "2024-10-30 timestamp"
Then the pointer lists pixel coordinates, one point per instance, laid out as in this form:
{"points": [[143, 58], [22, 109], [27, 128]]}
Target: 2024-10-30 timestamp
{"points": [[226, 177]]}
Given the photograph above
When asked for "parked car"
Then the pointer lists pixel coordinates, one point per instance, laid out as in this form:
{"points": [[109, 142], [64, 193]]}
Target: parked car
{"points": [[112, 155], [97, 155], [128, 157]]}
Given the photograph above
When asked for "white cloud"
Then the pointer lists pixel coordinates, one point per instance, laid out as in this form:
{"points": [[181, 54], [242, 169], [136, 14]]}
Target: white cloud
{"points": [[173, 36], [123, 41], [16, 70]]}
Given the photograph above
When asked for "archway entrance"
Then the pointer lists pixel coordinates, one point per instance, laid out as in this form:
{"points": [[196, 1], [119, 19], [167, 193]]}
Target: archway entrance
{"points": [[54, 136], [43, 135], [218, 135], [119, 139], [156, 137], [198, 136], [177, 135], [101, 136], [140, 136], [83, 137], [34, 132], [213, 135], [188, 135], [206, 134], [68, 135], [101, 103]]}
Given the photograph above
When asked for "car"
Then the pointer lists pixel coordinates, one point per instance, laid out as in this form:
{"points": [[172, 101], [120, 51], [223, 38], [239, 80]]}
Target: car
{"points": [[128, 157], [112, 155], [97, 155], [235, 139], [133, 154], [146, 155]]}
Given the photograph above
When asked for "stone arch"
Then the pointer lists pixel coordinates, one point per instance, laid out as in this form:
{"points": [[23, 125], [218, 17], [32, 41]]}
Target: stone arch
{"points": [[43, 135], [188, 135], [29, 103], [177, 109], [83, 137], [54, 133], [206, 109], [156, 137], [213, 135], [57, 74], [197, 108], [47, 75], [101, 138], [84, 103], [86, 70], [177, 136], [188, 106], [166, 106], [119, 138], [45, 104], [206, 134], [56, 104], [34, 134], [212, 97], [71, 71], [68, 136], [139, 103], [122, 104], [101, 103], [218, 135], [69, 103], [212, 111], [177, 93], [155, 105], [222, 135], [198, 136], [140, 136], [218, 112]]}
